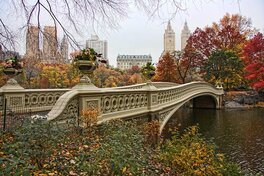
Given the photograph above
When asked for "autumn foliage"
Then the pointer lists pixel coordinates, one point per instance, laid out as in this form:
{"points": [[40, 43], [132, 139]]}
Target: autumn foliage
{"points": [[89, 116], [253, 57], [166, 69], [229, 35], [224, 67], [113, 148]]}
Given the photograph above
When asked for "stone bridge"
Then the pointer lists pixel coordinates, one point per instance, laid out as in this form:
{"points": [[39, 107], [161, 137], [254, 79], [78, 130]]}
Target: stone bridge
{"points": [[150, 100]]}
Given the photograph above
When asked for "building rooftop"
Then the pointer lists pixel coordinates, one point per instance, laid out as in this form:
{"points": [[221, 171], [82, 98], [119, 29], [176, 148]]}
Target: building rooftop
{"points": [[134, 56]]}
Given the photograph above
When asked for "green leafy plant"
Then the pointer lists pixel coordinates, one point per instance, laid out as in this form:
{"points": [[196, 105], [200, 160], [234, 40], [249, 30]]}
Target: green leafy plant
{"points": [[148, 70], [85, 54]]}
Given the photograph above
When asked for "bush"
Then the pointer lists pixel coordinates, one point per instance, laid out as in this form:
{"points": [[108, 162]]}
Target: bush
{"points": [[190, 154], [114, 148]]}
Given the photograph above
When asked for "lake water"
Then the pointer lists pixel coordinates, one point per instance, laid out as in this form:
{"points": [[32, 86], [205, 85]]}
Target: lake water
{"points": [[239, 134]]}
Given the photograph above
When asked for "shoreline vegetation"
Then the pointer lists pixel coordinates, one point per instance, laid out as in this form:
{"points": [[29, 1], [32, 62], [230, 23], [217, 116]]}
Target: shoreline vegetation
{"points": [[113, 148]]}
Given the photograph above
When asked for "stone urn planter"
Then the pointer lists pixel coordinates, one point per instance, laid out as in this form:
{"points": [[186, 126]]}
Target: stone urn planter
{"points": [[151, 74], [12, 68], [148, 71], [86, 61], [11, 71], [86, 66]]}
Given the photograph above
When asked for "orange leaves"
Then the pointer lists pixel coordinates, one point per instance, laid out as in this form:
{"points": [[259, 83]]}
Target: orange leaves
{"points": [[58, 75], [152, 132], [89, 116], [166, 69]]}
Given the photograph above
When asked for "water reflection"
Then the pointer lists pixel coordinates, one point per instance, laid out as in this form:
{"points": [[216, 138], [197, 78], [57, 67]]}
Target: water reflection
{"points": [[238, 133]]}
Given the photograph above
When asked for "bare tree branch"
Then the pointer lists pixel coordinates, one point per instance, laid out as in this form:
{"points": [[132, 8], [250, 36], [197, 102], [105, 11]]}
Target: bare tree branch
{"points": [[78, 14], [6, 37]]}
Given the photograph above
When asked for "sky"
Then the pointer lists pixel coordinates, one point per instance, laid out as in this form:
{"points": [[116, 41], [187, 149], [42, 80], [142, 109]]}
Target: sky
{"points": [[140, 35]]}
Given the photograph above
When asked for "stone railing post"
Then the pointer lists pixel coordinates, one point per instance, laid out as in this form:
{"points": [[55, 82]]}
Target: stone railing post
{"points": [[220, 98], [11, 92], [152, 98]]}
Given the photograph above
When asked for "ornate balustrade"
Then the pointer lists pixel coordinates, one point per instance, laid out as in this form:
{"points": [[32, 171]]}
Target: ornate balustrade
{"points": [[111, 103], [124, 103], [30, 100], [156, 84], [149, 99]]}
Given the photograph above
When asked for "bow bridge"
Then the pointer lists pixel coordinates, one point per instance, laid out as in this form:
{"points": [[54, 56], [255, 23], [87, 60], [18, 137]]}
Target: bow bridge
{"points": [[152, 100]]}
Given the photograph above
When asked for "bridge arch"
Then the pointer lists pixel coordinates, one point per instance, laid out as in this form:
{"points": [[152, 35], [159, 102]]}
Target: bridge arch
{"points": [[215, 99]]}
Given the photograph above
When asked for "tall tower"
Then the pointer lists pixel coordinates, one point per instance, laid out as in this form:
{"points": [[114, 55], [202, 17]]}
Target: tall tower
{"points": [[50, 44], [169, 39], [100, 46], [185, 34], [32, 41], [64, 48]]}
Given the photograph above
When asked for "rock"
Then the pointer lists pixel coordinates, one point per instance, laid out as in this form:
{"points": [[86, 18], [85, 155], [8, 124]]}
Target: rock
{"points": [[239, 99], [250, 100], [232, 104]]}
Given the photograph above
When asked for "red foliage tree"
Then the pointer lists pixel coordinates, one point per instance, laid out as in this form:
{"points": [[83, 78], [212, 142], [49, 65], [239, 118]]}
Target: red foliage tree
{"points": [[253, 57], [166, 69], [229, 34]]}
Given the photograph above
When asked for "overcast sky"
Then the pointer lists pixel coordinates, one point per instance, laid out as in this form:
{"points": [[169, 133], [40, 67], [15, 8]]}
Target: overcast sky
{"points": [[138, 34]]}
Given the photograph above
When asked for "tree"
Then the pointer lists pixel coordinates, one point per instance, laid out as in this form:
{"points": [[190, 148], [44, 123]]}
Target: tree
{"points": [[253, 57], [230, 33], [31, 69], [57, 76], [224, 67], [136, 78], [106, 77], [185, 66], [166, 69]]}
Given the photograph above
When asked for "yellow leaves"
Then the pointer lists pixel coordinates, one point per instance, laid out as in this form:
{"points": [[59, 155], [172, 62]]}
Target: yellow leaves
{"points": [[220, 157], [124, 170], [191, 155], [89, 116]]}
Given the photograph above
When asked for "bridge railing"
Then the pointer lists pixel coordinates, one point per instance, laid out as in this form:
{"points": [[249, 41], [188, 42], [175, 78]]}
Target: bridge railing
{"points": [[30, 100], [156, 84], [111, 103], [119, 103], [167, 96]]}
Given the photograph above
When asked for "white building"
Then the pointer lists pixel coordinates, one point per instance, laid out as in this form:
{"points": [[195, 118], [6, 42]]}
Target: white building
{"points": [[100, 46], [125, 62], [185, 34], [169, 39]]}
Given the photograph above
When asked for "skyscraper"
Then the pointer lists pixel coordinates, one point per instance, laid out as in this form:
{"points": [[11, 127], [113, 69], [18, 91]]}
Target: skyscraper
{"points": [[185, 34], [64, 49], [169, 39], [100, 46], [50, 43], [32, 41]]}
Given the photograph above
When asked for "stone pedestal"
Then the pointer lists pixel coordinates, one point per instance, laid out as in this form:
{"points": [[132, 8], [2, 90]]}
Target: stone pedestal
{"points": [[85, 84], [11, 84]]}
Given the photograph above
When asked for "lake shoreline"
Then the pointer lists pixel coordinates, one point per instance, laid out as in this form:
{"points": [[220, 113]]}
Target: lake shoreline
{"points": [[243, 100]]}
